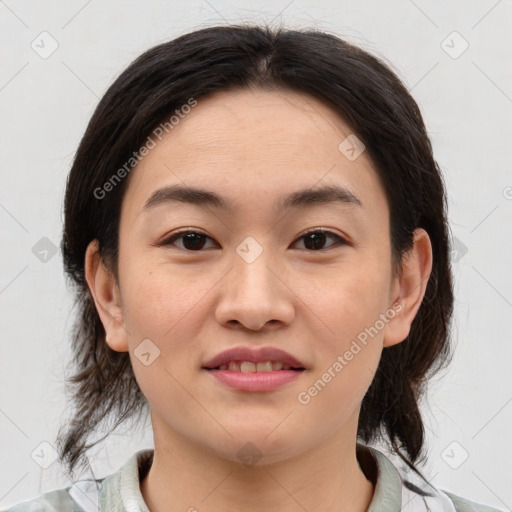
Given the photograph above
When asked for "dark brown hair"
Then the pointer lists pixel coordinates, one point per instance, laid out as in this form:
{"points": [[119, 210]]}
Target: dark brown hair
{"points": [[381, 112]]}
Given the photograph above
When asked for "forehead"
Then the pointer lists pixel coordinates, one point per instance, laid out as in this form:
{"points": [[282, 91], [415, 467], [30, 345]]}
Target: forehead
{"points": [[255, 145], [248, 120]]}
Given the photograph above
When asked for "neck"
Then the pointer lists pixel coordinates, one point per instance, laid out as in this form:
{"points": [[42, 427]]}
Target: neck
{"points": [[185, 476]]}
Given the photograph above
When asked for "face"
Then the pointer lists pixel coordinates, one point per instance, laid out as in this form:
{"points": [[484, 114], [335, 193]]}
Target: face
{"points": [[312, 277]]}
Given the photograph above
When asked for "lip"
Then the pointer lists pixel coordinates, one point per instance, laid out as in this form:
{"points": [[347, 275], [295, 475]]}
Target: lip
{"points": [[254, 355], [254, 382]]}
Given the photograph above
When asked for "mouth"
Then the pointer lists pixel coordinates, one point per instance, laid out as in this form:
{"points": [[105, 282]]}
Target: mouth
{"points": [[254, 370], [260, 367], [254, 360]]}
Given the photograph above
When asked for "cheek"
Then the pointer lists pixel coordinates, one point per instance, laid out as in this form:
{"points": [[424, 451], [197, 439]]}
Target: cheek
{"points": [[163, 304], [346, 362], [351, 307], [158, 298], [348, 302], [159, 306]]}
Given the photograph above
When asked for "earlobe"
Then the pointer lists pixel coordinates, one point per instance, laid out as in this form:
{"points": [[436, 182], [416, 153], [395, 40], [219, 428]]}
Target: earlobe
{"points": [[105, 292], [409, 288]]}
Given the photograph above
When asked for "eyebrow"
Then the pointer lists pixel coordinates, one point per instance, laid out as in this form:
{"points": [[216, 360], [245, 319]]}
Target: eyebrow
{"points": [[205, 198]]}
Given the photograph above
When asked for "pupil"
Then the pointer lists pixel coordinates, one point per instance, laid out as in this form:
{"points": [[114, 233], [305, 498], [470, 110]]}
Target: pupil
{"points": [[193, 241], [318, 240]]}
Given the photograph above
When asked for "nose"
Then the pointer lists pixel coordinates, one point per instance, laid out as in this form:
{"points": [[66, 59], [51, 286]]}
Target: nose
{"points": [[255, 295]]}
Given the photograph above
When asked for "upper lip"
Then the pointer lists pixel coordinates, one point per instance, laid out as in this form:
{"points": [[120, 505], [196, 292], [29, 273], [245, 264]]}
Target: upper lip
{"points": [[253, 355]]}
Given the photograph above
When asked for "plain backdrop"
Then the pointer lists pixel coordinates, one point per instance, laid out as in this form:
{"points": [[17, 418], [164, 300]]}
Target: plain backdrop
{"points": [[58, 58]]}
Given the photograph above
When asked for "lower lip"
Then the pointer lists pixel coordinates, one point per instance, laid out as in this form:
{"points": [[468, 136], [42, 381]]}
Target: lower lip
{"points": [[257, 381]]}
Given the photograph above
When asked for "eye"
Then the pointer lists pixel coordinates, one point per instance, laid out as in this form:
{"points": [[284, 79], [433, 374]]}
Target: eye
{"points": [[315, 239], [191, 240], [195, 240]]}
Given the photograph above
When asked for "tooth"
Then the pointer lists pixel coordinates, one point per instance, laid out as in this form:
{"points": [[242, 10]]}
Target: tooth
{"points": [[233, 366], [247, 367], [264, 367], [250, 367]]}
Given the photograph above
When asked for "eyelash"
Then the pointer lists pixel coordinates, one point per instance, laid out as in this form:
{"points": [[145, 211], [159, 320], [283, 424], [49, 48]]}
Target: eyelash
{"points": [[180, 234]]}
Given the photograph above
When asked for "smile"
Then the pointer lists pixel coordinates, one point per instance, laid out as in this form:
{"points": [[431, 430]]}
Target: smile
{"points": [[250, 367]]}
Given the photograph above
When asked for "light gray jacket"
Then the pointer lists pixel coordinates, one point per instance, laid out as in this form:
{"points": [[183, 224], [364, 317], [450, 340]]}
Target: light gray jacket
{"points": [[120, 492]]}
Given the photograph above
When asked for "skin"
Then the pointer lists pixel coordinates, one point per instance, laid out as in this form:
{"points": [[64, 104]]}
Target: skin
{"points": [[252, 147]]}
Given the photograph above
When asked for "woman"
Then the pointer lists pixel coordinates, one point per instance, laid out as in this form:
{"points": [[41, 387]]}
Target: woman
{"points": [[256, 229]]}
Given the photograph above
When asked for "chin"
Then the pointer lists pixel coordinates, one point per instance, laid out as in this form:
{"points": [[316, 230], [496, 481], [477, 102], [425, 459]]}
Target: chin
{"points": [[251, 446]]}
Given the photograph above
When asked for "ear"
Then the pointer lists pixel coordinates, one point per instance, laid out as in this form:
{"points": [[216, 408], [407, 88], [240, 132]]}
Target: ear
{"points": [[409, 288], [107, 298]]}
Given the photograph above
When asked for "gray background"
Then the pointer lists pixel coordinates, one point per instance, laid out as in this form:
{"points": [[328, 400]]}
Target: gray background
{"points": [[47, 99]]}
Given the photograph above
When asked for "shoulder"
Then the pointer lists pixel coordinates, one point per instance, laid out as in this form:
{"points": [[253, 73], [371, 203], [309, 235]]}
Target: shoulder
{"points": [[105, 494], [464, 505], [77, 498], [398, 488], [54, 501]]}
